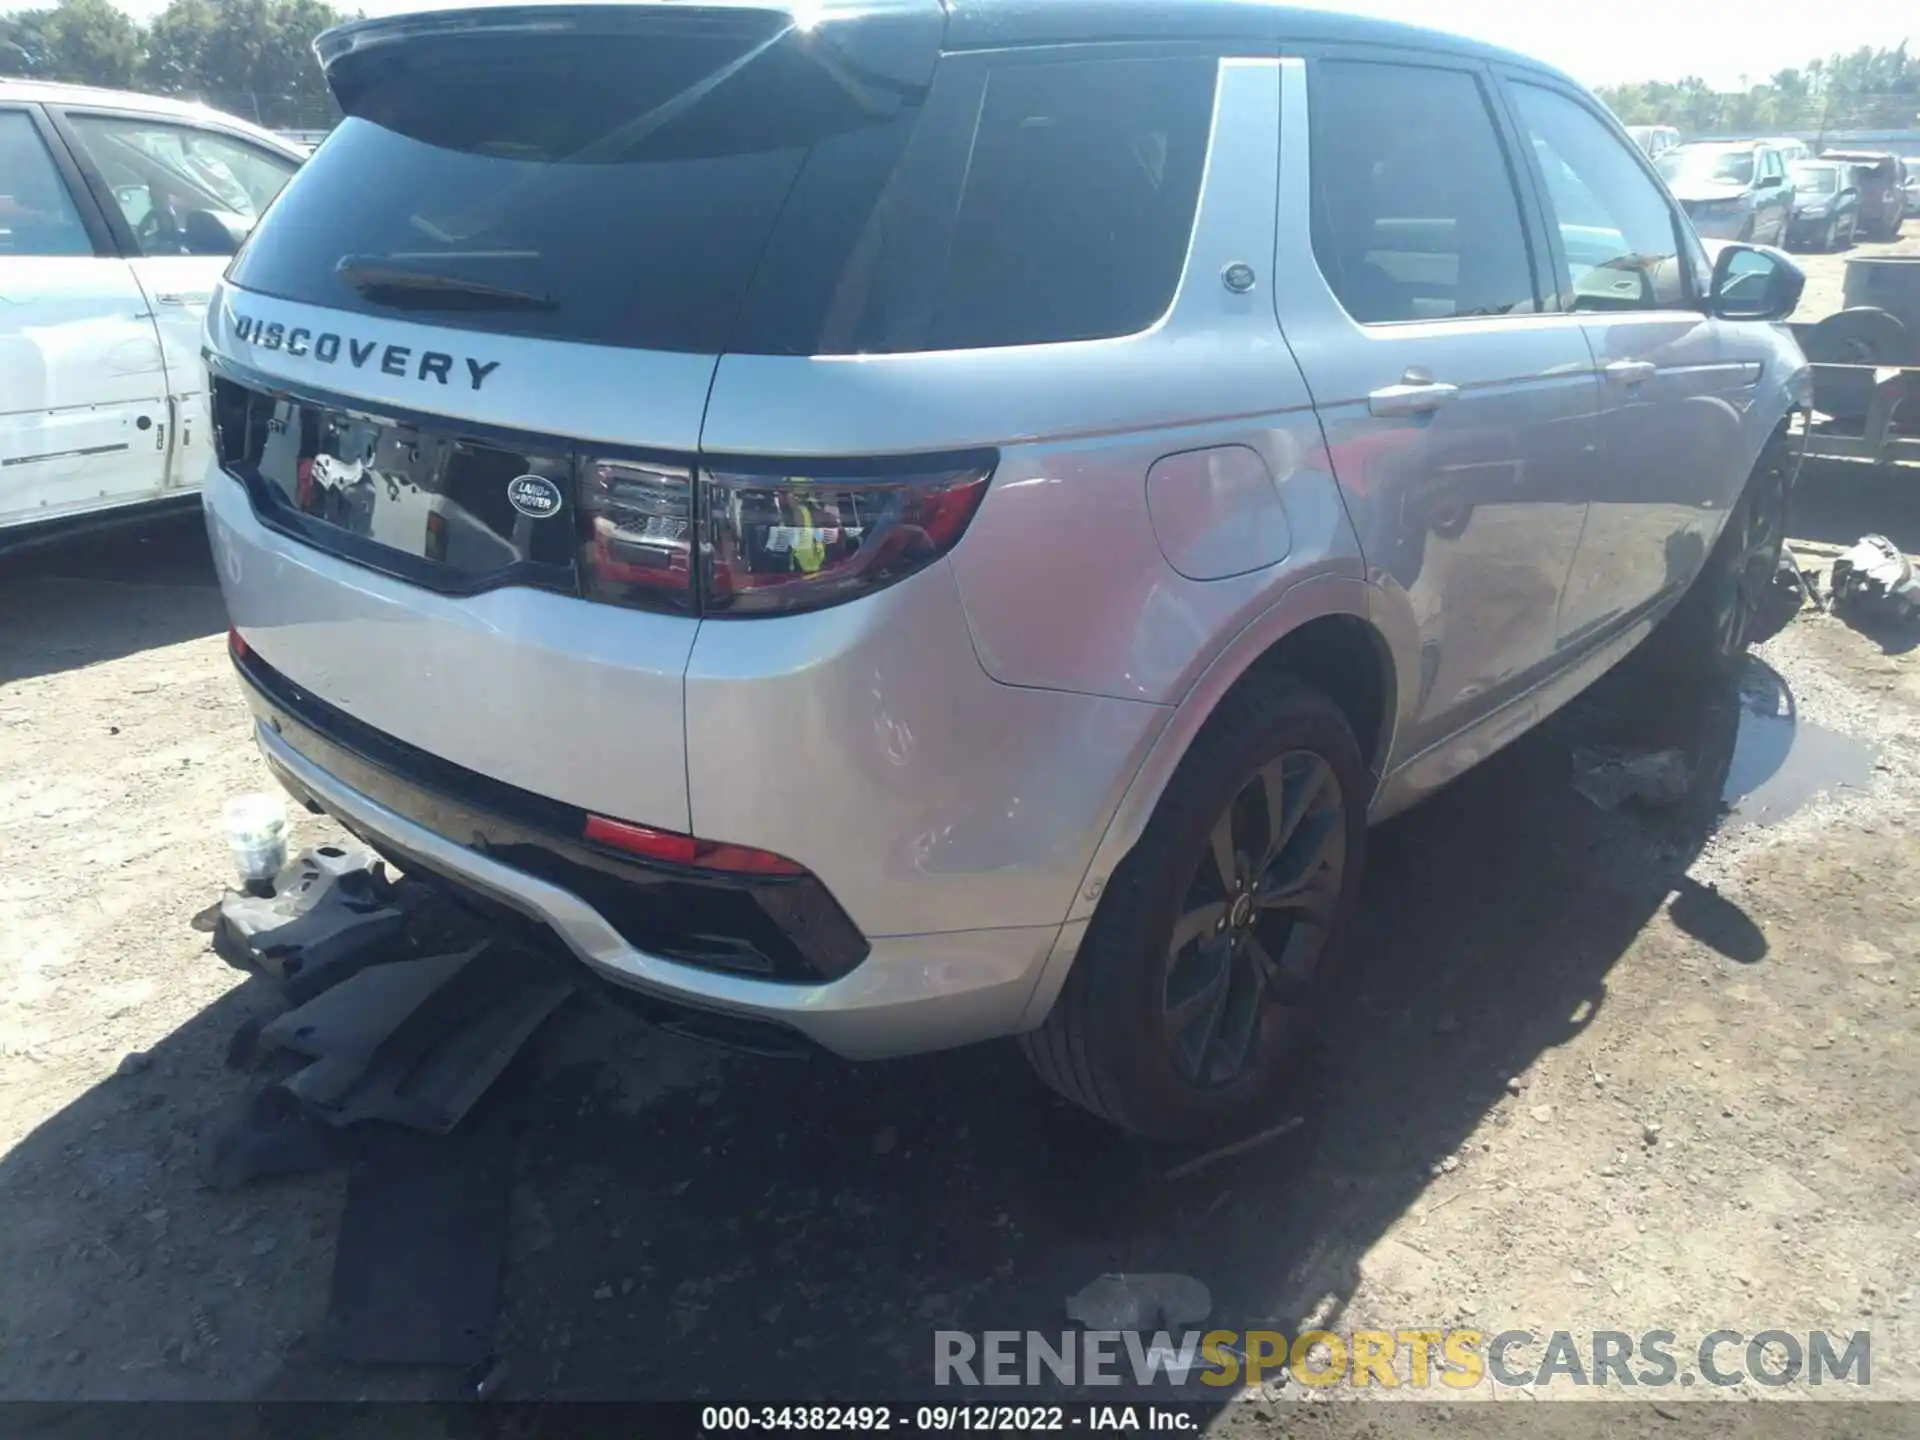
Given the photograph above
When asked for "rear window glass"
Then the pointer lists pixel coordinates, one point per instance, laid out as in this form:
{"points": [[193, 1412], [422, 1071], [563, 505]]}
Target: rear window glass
{"points": [[704, 191]]}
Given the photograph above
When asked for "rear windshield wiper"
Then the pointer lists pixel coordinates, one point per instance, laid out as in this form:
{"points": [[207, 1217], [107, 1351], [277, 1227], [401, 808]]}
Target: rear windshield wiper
{"points": [[379, 278]]}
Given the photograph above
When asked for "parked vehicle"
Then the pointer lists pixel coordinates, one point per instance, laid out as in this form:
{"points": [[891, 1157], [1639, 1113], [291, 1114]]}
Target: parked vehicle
{"points": [[990, 584], [1654, 140], [1792, 151], [117, 214], [1731, 190], [1826, 205], [1910, 183], [1881, 181]]}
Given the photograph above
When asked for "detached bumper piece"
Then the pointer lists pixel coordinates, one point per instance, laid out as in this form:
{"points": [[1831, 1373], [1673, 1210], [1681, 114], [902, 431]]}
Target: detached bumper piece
{"points": [[406, 1009], [332, 912], [770, 926], [418, 1042], [384, 1024]]}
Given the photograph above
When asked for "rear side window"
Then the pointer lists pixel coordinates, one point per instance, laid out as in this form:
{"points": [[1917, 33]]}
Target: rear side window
{"points": [[704, 185], [36, 213], [1077, 206], [1415, 212]]}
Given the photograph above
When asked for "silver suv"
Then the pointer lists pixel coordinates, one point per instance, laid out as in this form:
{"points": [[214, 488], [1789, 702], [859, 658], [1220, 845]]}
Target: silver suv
{"points": [[899, 525]]}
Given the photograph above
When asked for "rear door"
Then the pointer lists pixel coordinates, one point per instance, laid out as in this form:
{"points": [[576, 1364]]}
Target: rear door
{"points": [[1461, 420], [82, 389], [179, 198], [1628, 271]]}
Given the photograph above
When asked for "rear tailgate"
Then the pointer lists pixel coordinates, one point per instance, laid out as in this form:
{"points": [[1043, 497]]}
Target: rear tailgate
{"points": [[461, 367]]}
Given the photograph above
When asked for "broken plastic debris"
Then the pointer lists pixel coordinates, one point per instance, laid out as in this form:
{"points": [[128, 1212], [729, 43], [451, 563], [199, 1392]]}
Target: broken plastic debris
{"points": [[1609, 776], [330, 913], [1141, 1302], [1875, 575], [433, 1049]]}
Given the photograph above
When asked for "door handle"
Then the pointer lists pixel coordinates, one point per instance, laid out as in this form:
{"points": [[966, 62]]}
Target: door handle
{"points": [[1412, 396], [180, 299], [1631, 372]]}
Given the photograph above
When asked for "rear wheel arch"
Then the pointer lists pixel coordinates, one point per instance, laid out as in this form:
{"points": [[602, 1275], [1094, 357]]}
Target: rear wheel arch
{"points": [[1308, 624], [1320, 632]]}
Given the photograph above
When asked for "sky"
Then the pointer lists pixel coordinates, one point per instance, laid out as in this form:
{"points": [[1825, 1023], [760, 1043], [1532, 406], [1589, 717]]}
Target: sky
{"points": [[1596, 43]]}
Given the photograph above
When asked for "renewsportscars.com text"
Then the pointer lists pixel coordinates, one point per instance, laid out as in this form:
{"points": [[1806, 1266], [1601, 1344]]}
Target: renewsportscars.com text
{"points": [[1449, 1359]]}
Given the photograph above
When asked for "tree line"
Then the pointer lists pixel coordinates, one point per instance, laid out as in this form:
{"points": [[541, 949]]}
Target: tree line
{"points": [[1869, 89], [240, 54]]}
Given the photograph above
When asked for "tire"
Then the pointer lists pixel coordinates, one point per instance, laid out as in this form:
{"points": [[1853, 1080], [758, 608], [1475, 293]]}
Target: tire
{"points": [[1705, 636], [1146, 1033]]}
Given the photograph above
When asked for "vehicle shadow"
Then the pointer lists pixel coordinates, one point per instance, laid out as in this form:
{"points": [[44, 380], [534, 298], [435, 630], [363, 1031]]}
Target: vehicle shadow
{"points": [[804, 1229], [691, 1224], [100, 596]]}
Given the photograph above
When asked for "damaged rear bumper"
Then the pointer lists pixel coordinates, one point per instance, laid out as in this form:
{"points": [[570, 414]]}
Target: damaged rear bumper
{"points": [[893, 995]]}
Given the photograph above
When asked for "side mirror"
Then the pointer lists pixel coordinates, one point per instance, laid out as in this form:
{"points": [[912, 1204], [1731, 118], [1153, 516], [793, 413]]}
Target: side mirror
{"points": [[213, 232], [1754, 282]]}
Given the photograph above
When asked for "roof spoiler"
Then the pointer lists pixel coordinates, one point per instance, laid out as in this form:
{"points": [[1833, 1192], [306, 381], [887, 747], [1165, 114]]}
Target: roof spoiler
{"points": [[888, 42]]}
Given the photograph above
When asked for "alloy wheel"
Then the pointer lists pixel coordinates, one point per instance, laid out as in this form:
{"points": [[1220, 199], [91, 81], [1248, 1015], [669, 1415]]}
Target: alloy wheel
{"points": [[1755, 558], [1254, 921]]}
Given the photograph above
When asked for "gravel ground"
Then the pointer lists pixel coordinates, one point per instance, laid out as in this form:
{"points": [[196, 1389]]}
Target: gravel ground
{"points": [[1603, 1070]]}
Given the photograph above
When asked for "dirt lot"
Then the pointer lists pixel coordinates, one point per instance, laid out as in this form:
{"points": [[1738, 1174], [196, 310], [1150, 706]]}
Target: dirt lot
{"points": [[1605, 1070]]}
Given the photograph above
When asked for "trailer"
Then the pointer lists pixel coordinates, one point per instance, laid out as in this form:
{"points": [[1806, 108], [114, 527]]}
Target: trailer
{"points": [[1866, 366]]}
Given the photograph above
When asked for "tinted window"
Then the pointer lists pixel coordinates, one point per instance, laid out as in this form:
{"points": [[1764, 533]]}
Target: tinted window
{"points": [[36, 213], [1616, 229], [182, 191], [712, 185], [1078, 202], [1415, 213], [623, 196]]}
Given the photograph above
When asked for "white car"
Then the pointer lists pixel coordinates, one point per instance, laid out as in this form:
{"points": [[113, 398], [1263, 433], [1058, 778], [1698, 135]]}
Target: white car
{"points": [[1654, 140], [118, 214]]}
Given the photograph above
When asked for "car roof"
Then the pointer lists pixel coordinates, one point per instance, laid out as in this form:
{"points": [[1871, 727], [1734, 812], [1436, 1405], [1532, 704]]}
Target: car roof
{"points": [[160, 107], [976, 23], [1858, 157], [990, 24]]}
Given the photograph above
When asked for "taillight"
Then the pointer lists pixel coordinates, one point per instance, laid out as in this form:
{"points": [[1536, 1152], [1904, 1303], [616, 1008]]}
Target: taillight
{"points": [[774, 544], [742, 543], [636, 544], [679, 849]]}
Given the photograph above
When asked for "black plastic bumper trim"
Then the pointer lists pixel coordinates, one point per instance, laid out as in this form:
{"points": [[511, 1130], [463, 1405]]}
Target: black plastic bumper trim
{"points": [[772, 927]]}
